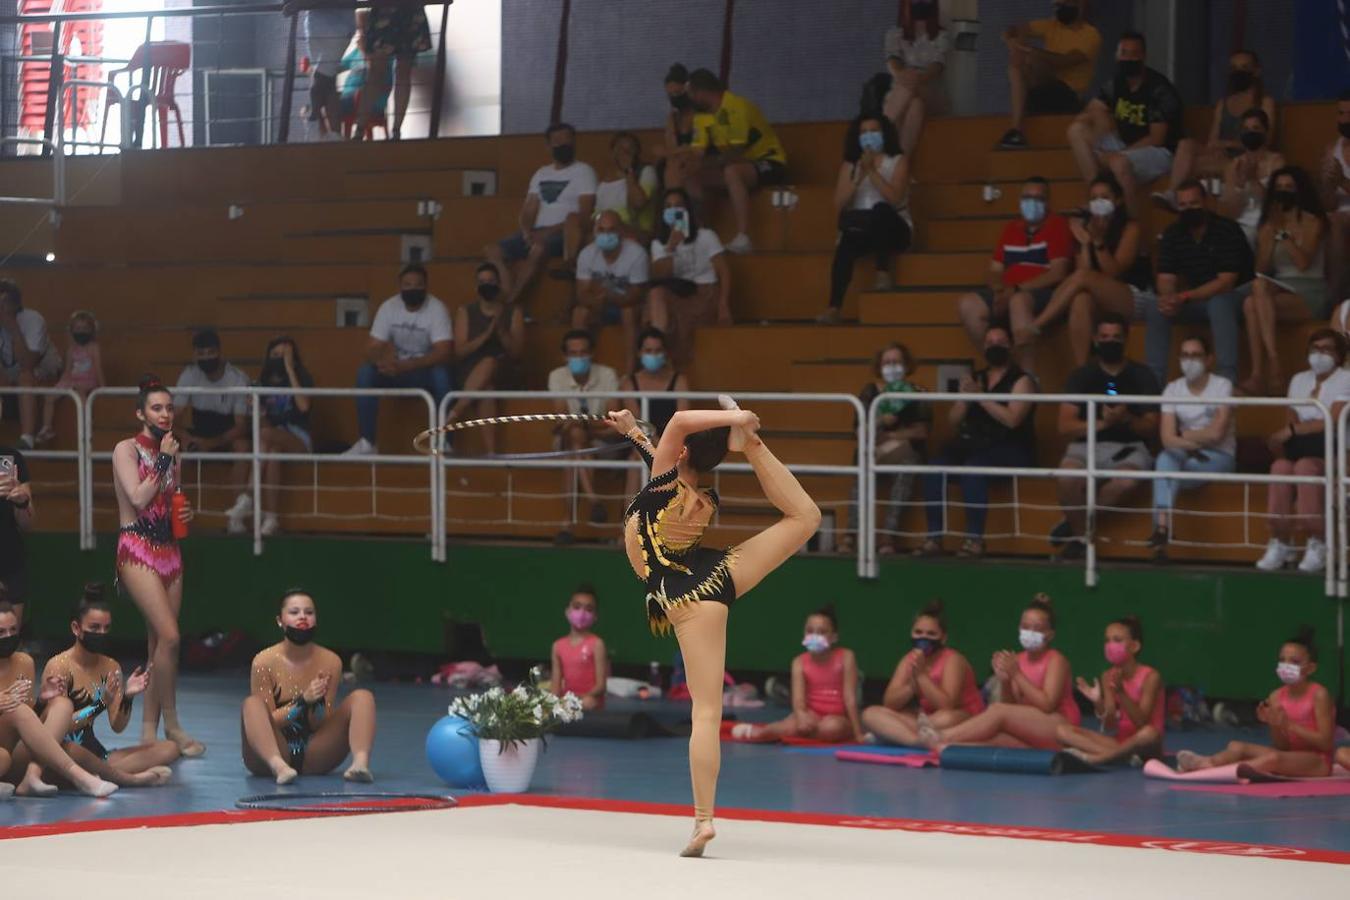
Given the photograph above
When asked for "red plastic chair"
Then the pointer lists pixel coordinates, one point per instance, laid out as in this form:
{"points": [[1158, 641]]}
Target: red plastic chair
{"points": [[166, 60]]}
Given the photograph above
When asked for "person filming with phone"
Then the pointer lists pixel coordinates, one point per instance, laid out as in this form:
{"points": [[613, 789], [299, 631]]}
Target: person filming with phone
{"points": [[16, 517], [690, 278], [1123, 431]]}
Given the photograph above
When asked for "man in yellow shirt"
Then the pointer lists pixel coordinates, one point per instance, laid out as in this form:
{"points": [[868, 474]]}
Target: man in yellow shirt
{"points": [[734, 147], [1054, 77]]}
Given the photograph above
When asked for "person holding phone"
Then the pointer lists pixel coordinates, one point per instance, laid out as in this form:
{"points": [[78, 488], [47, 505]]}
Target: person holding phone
{"points": [[16, 517], [1122, 430], [690, 278]]}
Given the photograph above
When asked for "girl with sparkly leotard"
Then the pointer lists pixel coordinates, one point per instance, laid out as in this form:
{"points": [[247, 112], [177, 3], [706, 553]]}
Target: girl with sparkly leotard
{"points": [[146, 471]]}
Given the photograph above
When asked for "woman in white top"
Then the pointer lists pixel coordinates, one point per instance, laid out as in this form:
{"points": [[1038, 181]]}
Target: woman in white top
{"points": [[916, 54], [871, 197], [1299, 444], [629, 186], [1246, 176], [1196, 437], [690, 278]]}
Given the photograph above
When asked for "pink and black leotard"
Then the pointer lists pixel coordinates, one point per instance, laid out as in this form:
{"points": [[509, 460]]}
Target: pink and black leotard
{"points": [[148, 542]]}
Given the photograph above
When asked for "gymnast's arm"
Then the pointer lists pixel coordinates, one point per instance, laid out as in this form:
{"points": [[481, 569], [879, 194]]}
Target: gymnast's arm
{"points": [[900, 692], [691, 421], [1056, 682]]}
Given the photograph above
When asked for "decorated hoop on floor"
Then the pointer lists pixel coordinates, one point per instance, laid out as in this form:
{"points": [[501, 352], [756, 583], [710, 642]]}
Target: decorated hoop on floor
{"points": [[424, 443], [340, 803]]}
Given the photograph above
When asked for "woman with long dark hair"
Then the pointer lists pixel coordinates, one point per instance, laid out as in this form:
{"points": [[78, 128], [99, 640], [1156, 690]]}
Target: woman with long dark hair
{"points": [[690, 278], [146, 475], [871, 198]]}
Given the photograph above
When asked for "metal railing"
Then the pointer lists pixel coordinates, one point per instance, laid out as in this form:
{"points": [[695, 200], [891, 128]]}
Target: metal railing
{"points": [[1092, 472]]}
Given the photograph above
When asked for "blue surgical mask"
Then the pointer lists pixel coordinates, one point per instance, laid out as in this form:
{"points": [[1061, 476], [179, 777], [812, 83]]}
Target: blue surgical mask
{"points": [[579, 365], [653, 362], [1033, 209], [816, 643], [872, 141], [607, 241]]}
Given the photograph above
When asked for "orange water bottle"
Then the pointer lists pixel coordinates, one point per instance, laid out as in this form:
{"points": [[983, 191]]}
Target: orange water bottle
{"points": [[180, 528]]}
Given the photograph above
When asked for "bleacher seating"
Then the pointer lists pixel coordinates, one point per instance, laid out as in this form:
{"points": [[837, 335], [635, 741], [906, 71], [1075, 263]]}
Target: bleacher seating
{"points": [[148, 245]]}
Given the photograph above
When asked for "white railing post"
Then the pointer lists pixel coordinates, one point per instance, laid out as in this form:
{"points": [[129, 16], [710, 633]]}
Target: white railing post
{"points": [[255, 420], [1090, 514]]}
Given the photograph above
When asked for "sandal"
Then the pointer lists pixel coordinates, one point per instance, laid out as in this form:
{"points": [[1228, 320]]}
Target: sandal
{"points": [[928, 549], [971, 548], [45, 436]]}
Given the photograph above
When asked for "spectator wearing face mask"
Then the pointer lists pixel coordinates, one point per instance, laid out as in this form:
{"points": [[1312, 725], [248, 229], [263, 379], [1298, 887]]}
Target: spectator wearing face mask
{"points": [[916, 56], [219, 422], [1335, 184], [84, 368], [1123, 432], [409, 347], [1203, 260], [735, 149], [1246, 176], [285, 426], [580, 374], [1033, 255], [988, 433], [1196, 437], [1290, 259], [612, 274], [1245, 93], [553, 219], [871, 196], [676, 153], [655, 375], [690, 277], [1297, 509], [1133, 125], [489, 338], [1050, 79]]}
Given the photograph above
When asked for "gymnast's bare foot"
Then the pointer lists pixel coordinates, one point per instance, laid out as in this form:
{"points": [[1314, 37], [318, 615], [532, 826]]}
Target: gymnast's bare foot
{"points": [[187, 746], [1188, 761], [703, 833], [737, 438]]}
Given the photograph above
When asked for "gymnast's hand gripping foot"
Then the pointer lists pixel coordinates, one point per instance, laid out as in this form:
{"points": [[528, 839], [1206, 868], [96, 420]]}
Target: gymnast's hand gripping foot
{"points": [[690, 587]]}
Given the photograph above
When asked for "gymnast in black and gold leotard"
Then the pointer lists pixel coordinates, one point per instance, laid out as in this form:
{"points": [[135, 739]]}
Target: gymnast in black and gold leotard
{"points": [[291, 720], [691, 587]]}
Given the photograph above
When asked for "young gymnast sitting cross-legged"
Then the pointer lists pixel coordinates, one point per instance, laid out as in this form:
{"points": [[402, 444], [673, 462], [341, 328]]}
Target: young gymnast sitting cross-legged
{"points": [[1301, 717], [1128, 699], [691, 587]]}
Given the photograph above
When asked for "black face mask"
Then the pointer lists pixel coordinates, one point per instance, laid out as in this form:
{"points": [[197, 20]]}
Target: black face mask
{"points": [[1195, 217], [1240, 80], [210, 366], [273, 370], [96, 642], [563, 154], [1344, 129], [997, 355], [1286, 199], [8, 645], [1253, 140], [81, 337], [300, 636], [1130, 68], [1110, 352], [155, 431], [413, 298], [489, 292], [1066, 14], [680, 101]]}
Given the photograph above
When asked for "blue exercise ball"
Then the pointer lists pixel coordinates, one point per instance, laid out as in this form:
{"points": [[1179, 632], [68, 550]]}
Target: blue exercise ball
{"points": [[452, 752]]}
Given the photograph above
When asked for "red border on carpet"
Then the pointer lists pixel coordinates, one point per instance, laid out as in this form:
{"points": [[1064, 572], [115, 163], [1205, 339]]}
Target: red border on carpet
{"points": [[595, 804]]}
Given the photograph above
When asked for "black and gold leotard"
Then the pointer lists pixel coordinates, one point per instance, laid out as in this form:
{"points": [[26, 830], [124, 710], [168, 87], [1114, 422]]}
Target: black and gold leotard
{"points": [[663, 547]]}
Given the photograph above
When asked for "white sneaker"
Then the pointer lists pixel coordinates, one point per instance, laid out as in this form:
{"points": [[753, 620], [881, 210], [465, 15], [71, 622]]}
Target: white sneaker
{"points": [[243, 505], [238, 516], [1314, 557], [362, 447], [740, 244], [1277, 555], [270, 525]]}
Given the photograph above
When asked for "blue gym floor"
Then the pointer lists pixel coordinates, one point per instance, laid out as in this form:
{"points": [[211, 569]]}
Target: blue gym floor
{"points": [[753, 777]]}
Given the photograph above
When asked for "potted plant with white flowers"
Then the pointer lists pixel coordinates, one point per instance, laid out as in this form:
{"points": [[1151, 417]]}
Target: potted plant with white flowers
{"points": [[510, 727]]}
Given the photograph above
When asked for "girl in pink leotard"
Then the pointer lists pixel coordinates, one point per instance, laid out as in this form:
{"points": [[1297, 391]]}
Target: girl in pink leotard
{"points": [[1128, 698], [1033, 688], [580, 661], [824, 690], [932, 679], [1301, 717]]}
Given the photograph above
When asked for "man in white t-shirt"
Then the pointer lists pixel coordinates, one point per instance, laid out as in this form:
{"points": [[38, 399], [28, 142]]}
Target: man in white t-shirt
{"points": [[611, 280], [28, 358], [554, 218], [409, 347], [579, 373], [220, 422]]}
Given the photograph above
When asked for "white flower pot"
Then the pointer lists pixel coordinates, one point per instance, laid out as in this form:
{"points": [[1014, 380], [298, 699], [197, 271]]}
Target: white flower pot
{"points": [[508, 771]]}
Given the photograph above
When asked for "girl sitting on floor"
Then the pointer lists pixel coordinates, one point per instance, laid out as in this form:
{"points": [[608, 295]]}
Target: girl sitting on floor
{"points": [[580, 663], [1128, 698], [824, 690], [932, 675], [1034, 693], [1301, 718]]}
